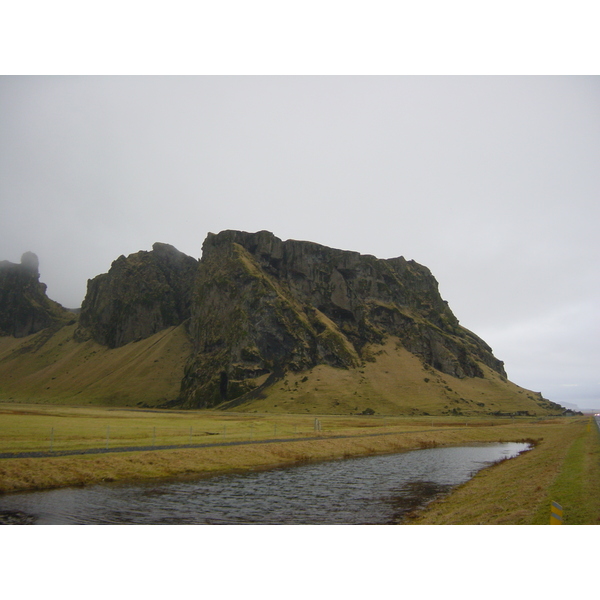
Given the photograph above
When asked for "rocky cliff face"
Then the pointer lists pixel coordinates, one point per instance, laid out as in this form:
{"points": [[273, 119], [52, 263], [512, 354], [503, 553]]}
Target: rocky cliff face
{"points": [[263, 306], [140, 295], [265, 324], [24, 306]]}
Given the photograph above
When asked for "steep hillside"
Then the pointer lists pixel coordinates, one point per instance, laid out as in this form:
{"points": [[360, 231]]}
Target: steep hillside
{"points": [[52, 366], [393, 381], [24, 306], [139, 296], [258, 324], [266, 307]]}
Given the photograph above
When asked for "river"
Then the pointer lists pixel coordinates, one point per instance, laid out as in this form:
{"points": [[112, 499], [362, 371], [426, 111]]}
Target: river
{"points": [[373, 490]]}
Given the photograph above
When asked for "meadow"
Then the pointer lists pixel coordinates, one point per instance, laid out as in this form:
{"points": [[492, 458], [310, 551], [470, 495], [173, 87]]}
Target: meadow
{"points": [[563, 466], [34, 428]]}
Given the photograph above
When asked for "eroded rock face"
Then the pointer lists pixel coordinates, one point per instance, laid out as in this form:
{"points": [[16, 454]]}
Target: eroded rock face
{"points": [[139, 296], [255, 307], [24, 306], [262, 306]]}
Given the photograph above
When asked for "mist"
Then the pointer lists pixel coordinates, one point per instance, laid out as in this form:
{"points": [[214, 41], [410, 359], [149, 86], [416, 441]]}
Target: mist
{"points": [[490, 182]]}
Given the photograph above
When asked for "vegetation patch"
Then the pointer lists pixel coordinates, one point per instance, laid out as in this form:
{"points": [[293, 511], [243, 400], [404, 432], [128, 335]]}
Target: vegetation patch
{"points": [[563, 466]]}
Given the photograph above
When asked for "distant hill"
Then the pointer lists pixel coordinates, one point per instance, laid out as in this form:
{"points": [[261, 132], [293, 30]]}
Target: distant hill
{"points": [[257, 324], [24, 306]]}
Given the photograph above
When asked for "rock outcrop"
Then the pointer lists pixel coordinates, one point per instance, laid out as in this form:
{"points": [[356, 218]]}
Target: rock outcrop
{"points": [[139, 296], [24, 306], [263, 306], [260, 324]]}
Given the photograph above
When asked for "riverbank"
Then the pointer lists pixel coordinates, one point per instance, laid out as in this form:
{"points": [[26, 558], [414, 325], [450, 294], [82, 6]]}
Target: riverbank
{"points": [[19, 474], [564, 467], [40, 430]]}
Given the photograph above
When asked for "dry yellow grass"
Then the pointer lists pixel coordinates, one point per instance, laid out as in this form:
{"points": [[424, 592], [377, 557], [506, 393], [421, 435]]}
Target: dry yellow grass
{"points": [[55, 368], [395, 381], [31, 427], [38, 473], [520, 491]]}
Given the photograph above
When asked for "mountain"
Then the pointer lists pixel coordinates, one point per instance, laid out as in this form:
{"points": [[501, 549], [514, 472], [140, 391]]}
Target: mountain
{"points": [[24, 306], [263, 306], [264, 324], [140, 295]]}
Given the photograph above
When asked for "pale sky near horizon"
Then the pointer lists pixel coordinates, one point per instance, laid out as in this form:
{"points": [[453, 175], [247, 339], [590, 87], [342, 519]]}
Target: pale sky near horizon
{"points": [[491, 182]]}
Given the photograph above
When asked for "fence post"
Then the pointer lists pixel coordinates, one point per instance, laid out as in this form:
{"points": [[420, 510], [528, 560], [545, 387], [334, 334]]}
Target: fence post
{"points": [[556, 514]]}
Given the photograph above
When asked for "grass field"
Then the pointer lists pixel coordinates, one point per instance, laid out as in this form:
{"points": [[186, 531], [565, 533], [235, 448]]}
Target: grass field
{"points": [[30, 427], [564, 465]]}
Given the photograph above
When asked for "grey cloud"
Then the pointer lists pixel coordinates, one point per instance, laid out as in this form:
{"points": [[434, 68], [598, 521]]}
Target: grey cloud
{"points": [[491, 182]]}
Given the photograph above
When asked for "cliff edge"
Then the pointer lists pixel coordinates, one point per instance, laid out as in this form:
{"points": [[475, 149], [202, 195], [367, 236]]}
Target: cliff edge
{"points": [[262, 306], [24, 306]]}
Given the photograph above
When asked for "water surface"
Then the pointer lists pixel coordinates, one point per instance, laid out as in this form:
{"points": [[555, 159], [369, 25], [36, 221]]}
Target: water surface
{"points": [[367, 490]]}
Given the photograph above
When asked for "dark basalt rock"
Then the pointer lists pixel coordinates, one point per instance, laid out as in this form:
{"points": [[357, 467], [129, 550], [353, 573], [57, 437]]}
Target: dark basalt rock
{"points": [[255, 307], [139, 296], [24, 306], [262, 305]]}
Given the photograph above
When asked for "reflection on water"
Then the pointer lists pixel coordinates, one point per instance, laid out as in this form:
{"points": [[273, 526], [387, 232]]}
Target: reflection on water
{"points": [[369, 490]]}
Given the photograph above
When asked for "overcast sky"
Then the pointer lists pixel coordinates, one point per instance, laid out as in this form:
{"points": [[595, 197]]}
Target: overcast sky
{"points": [[493, 183]]}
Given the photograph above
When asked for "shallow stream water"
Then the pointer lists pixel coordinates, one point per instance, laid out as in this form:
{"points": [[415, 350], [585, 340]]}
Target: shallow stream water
{"points": [[367, 490]]}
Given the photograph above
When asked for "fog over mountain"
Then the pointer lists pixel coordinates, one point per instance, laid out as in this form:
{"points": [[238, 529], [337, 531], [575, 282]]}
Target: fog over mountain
{"points": [[492, 182]]}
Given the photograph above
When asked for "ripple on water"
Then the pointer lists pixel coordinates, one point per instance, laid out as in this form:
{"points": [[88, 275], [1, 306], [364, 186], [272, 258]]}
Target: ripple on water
{"points": [[367, 490]]}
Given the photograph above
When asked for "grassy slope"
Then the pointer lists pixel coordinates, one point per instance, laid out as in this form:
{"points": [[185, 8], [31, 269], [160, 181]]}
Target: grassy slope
{"points": [[393, 382], [55, 368], [52, 367]]}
